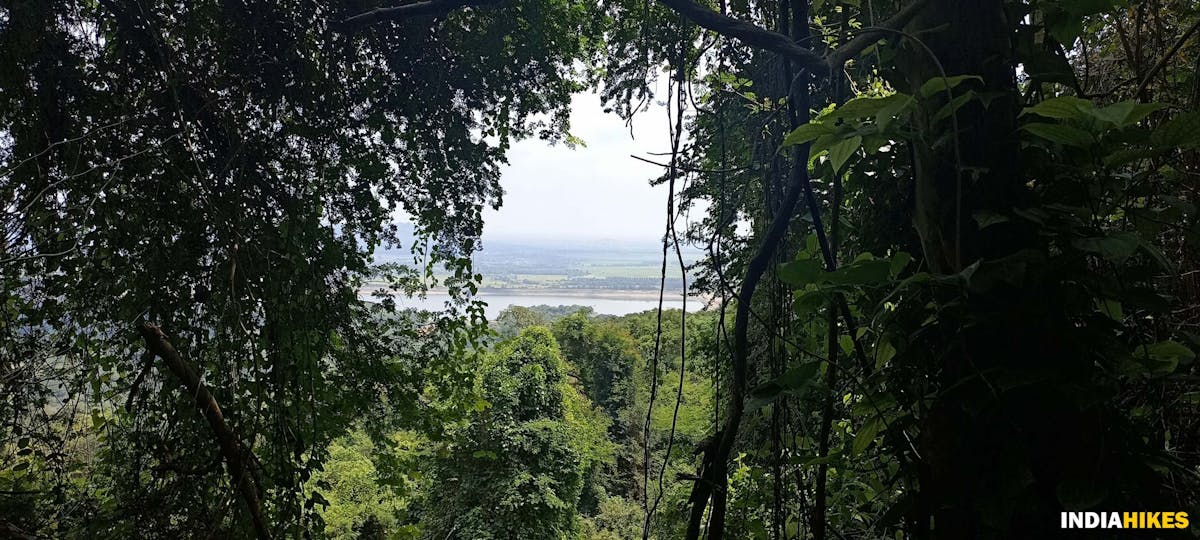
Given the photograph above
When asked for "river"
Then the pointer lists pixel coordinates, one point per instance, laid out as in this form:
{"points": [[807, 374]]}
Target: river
{"points": [[603, 301]]}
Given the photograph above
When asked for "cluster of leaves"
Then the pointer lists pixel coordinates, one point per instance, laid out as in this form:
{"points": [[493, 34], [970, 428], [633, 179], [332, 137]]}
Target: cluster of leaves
{"points": [[1029, 368], [226, 170]]}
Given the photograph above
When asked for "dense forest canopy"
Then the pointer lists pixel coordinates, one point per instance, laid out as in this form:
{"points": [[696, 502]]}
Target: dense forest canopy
{"points": [[950, 270]]}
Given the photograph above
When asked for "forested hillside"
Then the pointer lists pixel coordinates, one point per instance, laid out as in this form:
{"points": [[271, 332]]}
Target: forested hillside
{"points": [[949, 258]]}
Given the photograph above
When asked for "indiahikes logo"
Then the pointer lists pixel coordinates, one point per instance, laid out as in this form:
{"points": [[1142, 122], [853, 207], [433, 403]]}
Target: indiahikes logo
{"points": [[1124, 520]]}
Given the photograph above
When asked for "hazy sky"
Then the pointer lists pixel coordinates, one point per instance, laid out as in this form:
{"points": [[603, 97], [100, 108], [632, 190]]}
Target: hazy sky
{"points": [[593, 192]]}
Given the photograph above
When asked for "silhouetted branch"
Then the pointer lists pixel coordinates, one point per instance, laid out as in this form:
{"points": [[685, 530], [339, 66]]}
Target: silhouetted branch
{"points": [[407, 11], [804, 57], [1162, 62], [868, 36], [750, 34]]}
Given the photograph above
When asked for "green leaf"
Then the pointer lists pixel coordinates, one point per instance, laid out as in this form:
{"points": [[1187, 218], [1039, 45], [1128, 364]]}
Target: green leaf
{"points": [[1047, 66], [801, 272], [808, 302], [865, 270], [865, 107], [1111, 308], [899, 104], [1114, 247], [899, 262], [1157, 256], [1125, 113], [1183, 131], [840, 152], [806, 133], [884, 352], [938, 85], [1061, 134], [954, 105], [865, 436], [1128, 155], [1063, 107], [846, 343], [822, 143], [1170, 351]]}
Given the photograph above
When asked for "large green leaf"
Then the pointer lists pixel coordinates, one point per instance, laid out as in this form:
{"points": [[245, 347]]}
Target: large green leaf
{"points": [[806, 133], [899, 261], [1183, 131], [1125, 113], [1061, 134], [1063, 107], [899, 104], [865, 436], [864, 270], [840, 152], [1167, 355], [804, 303], [866, 107], [1115, 247], [802, 271], [955, 104]]}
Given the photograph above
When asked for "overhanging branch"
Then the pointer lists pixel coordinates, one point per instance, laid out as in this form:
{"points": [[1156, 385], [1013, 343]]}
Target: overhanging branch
{"points": [[750, 34], [406, 11], [868, 36], [804, 57]]}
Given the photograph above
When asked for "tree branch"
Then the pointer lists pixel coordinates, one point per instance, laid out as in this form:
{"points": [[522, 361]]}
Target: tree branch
{"points": [[1162, 62], [804, 57], [231, 447], [750, 34], [868, 36], [406, 11]]}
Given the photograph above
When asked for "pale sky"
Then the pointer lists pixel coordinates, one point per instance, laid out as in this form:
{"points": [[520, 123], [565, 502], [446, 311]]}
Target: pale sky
{"points": [[593, 192]]}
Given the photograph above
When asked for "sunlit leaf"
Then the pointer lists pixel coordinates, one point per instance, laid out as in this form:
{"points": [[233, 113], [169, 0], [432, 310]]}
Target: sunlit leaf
{"points": [[840, 152], [806, 133]]}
